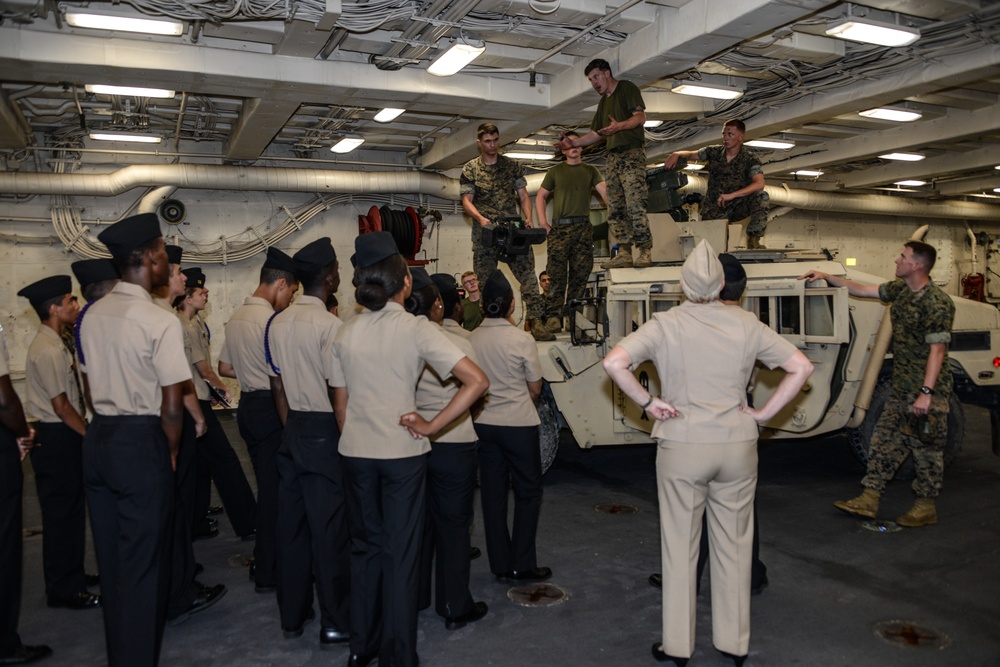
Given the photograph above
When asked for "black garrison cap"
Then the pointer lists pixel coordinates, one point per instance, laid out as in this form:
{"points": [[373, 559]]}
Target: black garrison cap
{"points": [[280, 261], [420, 277], [372, 248], [449, 290], [126, 235], [174, 254], [89, 271], [316, 256], [497, 287], [47, 288], [195, 277]]}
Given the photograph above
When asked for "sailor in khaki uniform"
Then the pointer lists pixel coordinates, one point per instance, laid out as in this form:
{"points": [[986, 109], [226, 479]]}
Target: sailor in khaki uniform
{"points": [[706, 446], [379, 354], [508, 437], [15, 441], [312, 519], [55, 404], [128, 350], [451, 468], [242, 357], [215, 458]]}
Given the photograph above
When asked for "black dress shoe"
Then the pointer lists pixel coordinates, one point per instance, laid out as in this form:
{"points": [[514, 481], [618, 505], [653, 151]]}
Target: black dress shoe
{"points": [[761, 585], [330, 637], [656, 580], [738, 660], [92, 579], [81, 600], [214, 509], [207, 596], [211, 523], [294, 633], [660, 656], [474, 553], [478, 611], [203, 531], [534, 574], [361, 659], [22, 655]]}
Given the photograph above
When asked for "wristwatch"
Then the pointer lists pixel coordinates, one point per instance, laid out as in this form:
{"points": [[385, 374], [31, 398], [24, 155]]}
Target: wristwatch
{"points": [[926, 390]]}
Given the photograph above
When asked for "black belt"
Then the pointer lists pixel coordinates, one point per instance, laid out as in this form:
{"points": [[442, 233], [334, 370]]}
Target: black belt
{"points": [[126, 419], [572, 220], [256, 393]]}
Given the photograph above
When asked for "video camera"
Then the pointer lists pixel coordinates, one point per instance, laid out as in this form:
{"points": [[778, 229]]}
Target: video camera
{"points": [[511, 237]]}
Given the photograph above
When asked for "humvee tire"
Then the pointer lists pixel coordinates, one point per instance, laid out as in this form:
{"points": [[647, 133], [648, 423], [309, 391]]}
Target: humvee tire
{"points": [[548, 430], [860, 438]]}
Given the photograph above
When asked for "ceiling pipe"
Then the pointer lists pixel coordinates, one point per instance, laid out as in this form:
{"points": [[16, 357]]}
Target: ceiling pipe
{"points": [[263, 179]]}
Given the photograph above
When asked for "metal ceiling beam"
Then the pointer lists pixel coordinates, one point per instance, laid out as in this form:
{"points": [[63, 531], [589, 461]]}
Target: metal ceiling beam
{"points": [[966, 186], [259, 122], [925, 170], [12, 133]]}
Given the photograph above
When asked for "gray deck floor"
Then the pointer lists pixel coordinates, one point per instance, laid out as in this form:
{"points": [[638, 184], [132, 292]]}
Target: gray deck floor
{"points": [[831, 581]]}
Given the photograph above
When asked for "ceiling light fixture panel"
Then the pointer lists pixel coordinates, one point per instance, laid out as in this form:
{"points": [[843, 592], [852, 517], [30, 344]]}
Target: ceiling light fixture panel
{"points": [[712, 91], [134, 91], [388, 114], [807, 172], [123, 23], [454, 59], [776, 144], [869, 31], [903, 157], [121, 136], [521, 155], [911, 184], [347, 144], [891, 113]]}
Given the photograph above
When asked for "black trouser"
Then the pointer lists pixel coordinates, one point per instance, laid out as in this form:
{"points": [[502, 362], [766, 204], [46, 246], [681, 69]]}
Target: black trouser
{"points": [[386, 510], [312, 523], [57, 459], [216, 456], [451, 485], [129, 484], [183, 589], [512, 450], [11, 486], [260, 429]]}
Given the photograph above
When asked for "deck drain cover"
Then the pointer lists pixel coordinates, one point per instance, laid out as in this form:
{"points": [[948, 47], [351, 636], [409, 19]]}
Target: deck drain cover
{"points": [[616, 509], [240, 560], [908, 633], [881, 526], [537, 595]]}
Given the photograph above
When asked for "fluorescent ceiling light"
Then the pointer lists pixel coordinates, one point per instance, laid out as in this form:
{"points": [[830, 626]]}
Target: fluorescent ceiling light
{"points": [[347, 144], [770, 143], [997, 167], [867, 31], [714, 91], [888, 113], [102, 89], [454, 59], [996, 189], [122, 23], [652, 123], [120, 136], [694, 167], [388, 114], [518, 155], [807, 172], [904, 157], [913, 184]]}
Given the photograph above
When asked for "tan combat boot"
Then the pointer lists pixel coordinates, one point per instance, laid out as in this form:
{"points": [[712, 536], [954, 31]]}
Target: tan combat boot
{"points": [[921, 514], [539, 331], [623, 260], [644, 259], [553, 324], [865, 505], [753, 243]]}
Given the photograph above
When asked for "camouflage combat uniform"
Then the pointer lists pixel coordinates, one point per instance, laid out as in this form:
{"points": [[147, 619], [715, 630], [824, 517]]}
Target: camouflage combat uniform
{"points": [[918, 320], [494, 192], [626, 170], [571, 240], [725, 177]]}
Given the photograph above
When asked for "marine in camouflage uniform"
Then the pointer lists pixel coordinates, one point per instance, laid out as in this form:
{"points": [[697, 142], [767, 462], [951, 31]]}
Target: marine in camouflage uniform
{"points": [[494, 191], [725, 177], [919, 319]]}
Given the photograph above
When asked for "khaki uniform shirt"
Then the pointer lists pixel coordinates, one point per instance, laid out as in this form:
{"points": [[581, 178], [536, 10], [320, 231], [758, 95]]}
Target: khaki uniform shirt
{"points": [[49, 372], [704, 354], [164, 304], [433, 393], [379, 356], [453, 327], [130, 348], [509, 357], [196, 349], [244, 344], [301, 341]]}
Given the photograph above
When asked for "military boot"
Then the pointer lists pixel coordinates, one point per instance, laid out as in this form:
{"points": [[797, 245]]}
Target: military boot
{"points": [[865, 505], [644, 259], [921, 514], [623, 260], [539, 331], [553, 324], [753, 243]]}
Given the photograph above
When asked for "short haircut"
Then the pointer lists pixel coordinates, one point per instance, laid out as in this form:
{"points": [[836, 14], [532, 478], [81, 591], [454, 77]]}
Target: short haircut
{"points": [[487, 128], [133, 260], [733, 291], [95, 291], [313, 280], [737, 123], [269, 276], [42, 309], [331, 302], [467, 274], [925, 252], [571, 133], [597, 63], [543, 273]]}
